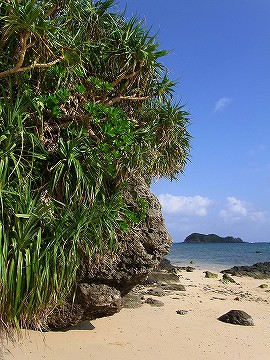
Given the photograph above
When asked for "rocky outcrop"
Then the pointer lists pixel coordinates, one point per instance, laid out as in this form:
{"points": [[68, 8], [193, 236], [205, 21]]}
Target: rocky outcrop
{"points": [[211, 238], [257, 271], [102, 284]]}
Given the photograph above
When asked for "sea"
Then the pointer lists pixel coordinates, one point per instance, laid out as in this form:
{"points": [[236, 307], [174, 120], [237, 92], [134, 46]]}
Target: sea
{"points": [[218, 256]]}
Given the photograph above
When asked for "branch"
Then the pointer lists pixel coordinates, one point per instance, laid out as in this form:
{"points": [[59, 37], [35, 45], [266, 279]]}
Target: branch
{"points": [[92, 134], [17, 69], [116, 82], [131, 98], [23, 48], [125, 76]]}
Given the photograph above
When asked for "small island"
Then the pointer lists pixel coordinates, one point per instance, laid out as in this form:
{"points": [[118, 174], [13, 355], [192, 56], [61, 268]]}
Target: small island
{"points": [[211, 238]]}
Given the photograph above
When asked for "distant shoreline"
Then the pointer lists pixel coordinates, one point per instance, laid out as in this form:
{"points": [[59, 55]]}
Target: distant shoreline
{"points": [[218, 255]]}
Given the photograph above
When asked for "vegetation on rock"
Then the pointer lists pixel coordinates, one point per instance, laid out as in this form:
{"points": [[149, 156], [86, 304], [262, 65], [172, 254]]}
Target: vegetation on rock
{"points": [[85, 103], [210, 275]]}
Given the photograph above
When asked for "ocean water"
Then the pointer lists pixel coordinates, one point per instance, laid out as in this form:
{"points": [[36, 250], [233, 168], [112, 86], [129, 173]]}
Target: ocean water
{"points": [[218, 256]]}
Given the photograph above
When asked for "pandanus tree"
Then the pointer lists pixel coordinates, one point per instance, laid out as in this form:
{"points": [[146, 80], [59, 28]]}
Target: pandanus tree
{"points": [[85, 104]]}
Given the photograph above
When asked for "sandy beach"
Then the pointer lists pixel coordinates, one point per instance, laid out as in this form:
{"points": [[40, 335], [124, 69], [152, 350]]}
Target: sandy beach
{"points": [[150, 332]]}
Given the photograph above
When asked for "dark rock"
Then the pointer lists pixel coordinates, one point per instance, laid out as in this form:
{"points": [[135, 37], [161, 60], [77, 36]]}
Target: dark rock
{"points": [[181, 312], [263, 286], [154, 302], [158, 291], [92, 301], [98, 300], [237, 317], [189, 269], [211, 238], [174, 287], [132, 301], [62, 317], [218, 298], [257, 271], [159, 277], [228, 278], [165, 264], [102, 282]]}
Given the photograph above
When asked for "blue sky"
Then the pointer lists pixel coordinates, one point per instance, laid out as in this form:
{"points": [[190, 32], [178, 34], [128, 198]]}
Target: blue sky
{"points": [[220, 55]]}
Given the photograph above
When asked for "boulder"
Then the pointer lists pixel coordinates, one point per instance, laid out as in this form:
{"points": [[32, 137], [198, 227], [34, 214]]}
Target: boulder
{"points": [[92, 301], [237, 317], [98, 300]]}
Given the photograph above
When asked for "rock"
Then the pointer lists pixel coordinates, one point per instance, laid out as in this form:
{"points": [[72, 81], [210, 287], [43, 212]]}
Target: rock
{"points": [[257, 271], [62, 317], [190, 269], [132, 301], [210, 275], [154, 302], [174, 287], [263, 286], [181, 312], [165, 264], [218, 298], [92, 301], [237, 317], [227, 278], [98, 300], [105, 280], [159, 277], [156, 292], [140, 251]]}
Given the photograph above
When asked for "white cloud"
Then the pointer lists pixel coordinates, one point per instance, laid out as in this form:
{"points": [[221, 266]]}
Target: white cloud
{"points": [[185, 205], [237, 210], [222, 103]]}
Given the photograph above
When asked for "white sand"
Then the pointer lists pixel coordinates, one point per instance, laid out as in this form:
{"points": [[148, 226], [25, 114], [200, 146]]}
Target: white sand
{"points": [[159, 333]]}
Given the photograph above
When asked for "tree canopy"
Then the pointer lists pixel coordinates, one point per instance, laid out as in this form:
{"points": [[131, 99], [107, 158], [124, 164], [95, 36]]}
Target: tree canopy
{"points": [[85, 104]]}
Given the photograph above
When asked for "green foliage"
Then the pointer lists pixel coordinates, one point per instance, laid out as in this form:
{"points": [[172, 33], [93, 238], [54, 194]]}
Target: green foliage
{"points": [[53, 101], [99, 84], [85, 105]]}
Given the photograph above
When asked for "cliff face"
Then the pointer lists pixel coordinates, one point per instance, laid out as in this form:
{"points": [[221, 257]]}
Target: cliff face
{"points": [[211, 238], [101, 285]]}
